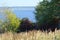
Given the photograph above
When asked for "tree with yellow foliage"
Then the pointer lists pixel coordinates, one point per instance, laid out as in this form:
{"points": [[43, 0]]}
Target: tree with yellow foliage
{"points": [[12, 22]]}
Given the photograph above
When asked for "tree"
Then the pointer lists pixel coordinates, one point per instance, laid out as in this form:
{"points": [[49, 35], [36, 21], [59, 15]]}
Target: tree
{"points": [[48, 13], [11, 22], [42, 12], [25, 25]]}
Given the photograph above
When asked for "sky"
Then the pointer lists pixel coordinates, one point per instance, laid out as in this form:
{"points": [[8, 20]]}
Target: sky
{"points": [[21, 3], [12, 3]]}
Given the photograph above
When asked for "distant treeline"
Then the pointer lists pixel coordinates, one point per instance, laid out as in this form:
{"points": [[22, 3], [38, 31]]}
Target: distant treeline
{"points": [[13, 24]]}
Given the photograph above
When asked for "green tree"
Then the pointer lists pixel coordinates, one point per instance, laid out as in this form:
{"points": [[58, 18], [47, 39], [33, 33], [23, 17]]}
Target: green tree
{"points": [[46, 11], [41, 12]]}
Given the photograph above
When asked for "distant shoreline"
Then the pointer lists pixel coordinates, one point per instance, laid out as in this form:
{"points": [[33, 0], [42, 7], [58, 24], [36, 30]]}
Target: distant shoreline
{"points": [[20, 7]]}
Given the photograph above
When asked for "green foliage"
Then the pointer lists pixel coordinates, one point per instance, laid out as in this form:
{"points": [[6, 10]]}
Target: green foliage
{"points": [[46, 11], [12, 22]]}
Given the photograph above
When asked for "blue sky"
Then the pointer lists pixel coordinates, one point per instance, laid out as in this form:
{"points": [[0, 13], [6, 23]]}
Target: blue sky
{"points": [[18, 3]]}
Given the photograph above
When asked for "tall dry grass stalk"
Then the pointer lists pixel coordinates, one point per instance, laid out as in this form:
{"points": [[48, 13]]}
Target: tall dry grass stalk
{"points": [[31, 35]]}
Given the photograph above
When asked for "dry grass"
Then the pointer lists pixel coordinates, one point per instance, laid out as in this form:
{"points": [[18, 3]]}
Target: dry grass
{"points": [[31, 35]]}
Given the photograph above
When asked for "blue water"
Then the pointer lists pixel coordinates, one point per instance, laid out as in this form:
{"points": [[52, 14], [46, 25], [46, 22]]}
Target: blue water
{"points": [[25, 12]]}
